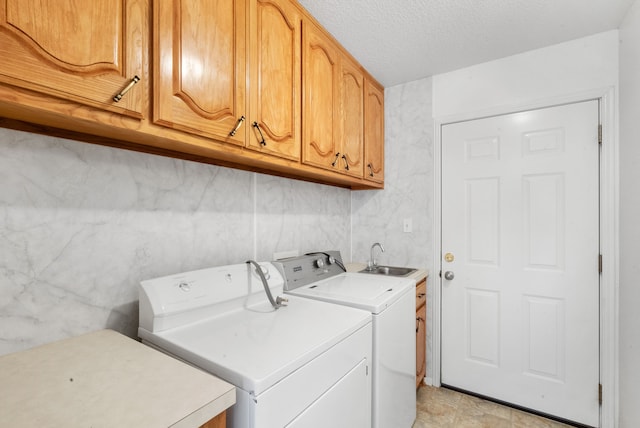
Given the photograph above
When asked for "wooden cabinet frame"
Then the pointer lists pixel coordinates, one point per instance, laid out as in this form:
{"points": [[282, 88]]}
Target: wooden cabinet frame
{"points": [[170, 111]]}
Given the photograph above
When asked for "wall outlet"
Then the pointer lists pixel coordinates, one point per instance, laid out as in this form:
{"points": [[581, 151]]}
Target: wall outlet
{"points": [[407, 225]]}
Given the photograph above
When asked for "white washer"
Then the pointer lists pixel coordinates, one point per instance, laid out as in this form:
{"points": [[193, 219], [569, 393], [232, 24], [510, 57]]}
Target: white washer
{"points": [[306, 364], [391, 301]]}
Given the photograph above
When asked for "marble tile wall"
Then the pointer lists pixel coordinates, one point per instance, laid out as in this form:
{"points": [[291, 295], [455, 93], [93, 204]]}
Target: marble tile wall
{"points": [[81, 225], [377, 215]]}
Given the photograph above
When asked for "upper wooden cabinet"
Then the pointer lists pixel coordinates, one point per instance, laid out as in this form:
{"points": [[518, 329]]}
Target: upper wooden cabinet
{"points": [[333, 106], [275, 76], [373, 132], [251, 84], [85, 52], [351, 113], [321, 87], [199, 67]]}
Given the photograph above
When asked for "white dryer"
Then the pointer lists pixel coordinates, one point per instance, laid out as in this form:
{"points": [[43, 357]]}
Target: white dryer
{"points": [[391, 301], [306, 364]]}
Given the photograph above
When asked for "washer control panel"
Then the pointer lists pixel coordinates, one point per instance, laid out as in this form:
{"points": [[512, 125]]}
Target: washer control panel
{"points": [[303, 270]]}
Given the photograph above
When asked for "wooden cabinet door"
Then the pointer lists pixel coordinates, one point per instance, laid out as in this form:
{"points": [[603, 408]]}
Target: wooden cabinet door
{"points": [[352, 119], [421, 338], [199, 67], [373, 132], [219, 421], [275, 77], [320, 94], [83, 51], [421, 341]]}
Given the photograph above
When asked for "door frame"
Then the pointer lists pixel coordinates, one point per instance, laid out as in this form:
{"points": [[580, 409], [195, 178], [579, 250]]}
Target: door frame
{"points": [[609, 237]]}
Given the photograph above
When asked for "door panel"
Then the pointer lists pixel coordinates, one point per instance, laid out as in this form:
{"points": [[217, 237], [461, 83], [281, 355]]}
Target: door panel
{"points": [[352, 119], [320, 82], [373, 132], [86, 52], [276, 77], [200, 84], [520, 214]]}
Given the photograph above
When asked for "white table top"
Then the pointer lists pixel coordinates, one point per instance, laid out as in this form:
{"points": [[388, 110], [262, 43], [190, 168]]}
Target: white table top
{"points": [[105, 379]]}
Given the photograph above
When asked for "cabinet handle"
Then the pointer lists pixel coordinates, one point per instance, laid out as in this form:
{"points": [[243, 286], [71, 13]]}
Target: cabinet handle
{"points": [[370, 169], [262, 141], [346, 162], [238, 125], [336, 159], [126, 89], [421, 295], [418, 321]]}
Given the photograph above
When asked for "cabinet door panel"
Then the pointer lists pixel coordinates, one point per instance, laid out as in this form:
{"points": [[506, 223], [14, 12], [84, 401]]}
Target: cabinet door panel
{"points": [[275, 78], [352, 114], [82, 51], [320, 71], [374, 133], [421, 343], [200, 67]]}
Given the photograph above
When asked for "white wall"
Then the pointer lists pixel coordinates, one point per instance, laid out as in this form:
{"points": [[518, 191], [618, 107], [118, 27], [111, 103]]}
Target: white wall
{"points": [[629, 314], [378, 215], [521, 80], [81, 225], [408, 194], [581, 69]]}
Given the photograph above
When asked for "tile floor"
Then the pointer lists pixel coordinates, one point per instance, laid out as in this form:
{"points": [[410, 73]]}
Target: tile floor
{"points": [[444, 408]]}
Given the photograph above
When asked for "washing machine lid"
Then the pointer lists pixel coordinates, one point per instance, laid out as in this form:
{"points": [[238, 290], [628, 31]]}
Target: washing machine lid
{"points": [[255, 347], [364, 291]]}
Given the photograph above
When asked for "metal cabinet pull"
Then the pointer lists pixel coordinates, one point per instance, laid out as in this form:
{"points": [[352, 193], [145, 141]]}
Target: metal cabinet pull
{"points": [[238, 125], [418, 321], [262, 141], [420, 296], [346, 162], [126, 89], [370, 169], [335, 161]]}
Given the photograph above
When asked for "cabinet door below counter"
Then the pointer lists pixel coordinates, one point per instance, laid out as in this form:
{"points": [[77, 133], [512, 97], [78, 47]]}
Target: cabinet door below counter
{"points": [[421, 331]]}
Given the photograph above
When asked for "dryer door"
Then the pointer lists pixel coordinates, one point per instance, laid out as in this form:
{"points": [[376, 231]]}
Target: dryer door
{"points": [[339, 407]]}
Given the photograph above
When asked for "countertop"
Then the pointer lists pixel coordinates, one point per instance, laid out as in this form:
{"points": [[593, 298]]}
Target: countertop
{"points": [[418, 275], [105, 379]]}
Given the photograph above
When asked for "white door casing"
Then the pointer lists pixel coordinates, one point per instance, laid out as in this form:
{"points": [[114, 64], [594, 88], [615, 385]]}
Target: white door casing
{"points": [[520, 215]]}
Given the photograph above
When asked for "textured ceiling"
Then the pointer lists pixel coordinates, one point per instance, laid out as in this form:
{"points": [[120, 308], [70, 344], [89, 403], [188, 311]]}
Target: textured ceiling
{"points": [[398, 41]]}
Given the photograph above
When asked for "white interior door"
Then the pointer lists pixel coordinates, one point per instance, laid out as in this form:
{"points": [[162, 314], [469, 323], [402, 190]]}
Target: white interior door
{"points": [[520, 235]]}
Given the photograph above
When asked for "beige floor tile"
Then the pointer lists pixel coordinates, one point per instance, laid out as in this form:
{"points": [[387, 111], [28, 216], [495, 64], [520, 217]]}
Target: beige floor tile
{"points": [[444, 408], [474, 406], [527, 420], [429, 394], [440, 414], [481, 421]]}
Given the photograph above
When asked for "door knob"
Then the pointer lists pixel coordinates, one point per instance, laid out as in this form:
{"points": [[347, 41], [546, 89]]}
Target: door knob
{"points": [[448, 275]]}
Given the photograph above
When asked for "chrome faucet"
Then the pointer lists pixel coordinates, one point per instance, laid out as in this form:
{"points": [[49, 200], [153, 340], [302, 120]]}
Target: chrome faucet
{"points": [[371, 265]]}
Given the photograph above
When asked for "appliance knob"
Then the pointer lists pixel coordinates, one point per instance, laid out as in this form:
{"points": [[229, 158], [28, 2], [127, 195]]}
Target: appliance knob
{"points": [[320, 263]]}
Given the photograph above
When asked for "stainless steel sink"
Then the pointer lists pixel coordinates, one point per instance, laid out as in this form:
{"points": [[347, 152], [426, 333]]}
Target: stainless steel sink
{"points": [[390, 271]]}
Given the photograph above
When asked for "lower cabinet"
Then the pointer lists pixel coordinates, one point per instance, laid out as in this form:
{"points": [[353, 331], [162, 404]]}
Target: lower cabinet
{"points": [[421, 331], [219, 421]]}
